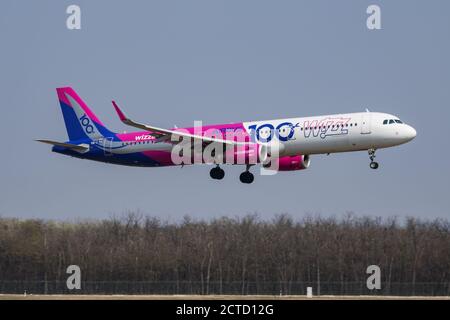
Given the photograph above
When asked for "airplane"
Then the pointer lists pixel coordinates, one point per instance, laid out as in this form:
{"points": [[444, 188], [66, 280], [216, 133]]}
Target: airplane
{"points": [[287, 142]]}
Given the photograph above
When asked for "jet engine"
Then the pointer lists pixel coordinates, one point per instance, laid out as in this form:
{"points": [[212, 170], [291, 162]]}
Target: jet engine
{"points": [[268, 151], [289, 163]]}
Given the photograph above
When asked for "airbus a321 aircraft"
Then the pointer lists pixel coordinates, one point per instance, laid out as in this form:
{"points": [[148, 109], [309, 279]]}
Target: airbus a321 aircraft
{"points": [[288, 142]]}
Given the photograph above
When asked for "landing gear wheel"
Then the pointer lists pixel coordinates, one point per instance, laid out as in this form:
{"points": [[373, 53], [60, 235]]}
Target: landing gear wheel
{"points": [[246, 177], [217, 173], [374, 165]]}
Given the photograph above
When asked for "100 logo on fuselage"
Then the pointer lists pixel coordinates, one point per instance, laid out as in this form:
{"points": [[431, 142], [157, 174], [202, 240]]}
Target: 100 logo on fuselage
{"points": [[265, 132], [285, 131]]}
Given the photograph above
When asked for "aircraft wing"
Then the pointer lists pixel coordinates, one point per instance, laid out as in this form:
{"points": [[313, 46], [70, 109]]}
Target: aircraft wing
{"points": [[166, 135]]}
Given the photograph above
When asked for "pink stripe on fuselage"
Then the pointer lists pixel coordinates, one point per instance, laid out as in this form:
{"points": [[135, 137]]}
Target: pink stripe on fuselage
{"points": [[144, 135], [164, 157], [230, 131], [135, 136]]}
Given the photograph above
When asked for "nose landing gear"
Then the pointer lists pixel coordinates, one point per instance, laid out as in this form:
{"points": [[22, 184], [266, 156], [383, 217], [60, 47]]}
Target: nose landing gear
{"points": [[373, 164]]}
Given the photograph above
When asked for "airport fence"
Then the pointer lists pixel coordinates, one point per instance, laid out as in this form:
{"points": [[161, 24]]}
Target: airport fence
{"points": [[224, 288]]}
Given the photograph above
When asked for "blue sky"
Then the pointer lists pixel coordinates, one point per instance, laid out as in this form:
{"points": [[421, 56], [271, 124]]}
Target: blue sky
{"points": [[172, 62]]}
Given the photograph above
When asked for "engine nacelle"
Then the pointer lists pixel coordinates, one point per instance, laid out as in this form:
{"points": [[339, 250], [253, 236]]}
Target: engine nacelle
{"points": [[289, 163], [270, 151]]}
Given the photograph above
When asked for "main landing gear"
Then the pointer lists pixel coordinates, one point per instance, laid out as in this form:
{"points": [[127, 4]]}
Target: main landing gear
{"points": [[217, 173], [247, 176], [373, 164]]}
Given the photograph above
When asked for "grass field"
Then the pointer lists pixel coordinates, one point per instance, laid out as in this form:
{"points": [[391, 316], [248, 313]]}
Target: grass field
{"points": [[209, 297]]}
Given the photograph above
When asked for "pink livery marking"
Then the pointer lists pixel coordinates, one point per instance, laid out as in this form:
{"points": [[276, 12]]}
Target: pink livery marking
{"points": [[62, 92], [135, 136], [224, 129], [119, 112], [230, 131], [164, 158]]}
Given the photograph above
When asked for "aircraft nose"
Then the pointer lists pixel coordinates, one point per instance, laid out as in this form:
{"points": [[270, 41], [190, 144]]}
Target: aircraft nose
{"points": [[410, 133]]}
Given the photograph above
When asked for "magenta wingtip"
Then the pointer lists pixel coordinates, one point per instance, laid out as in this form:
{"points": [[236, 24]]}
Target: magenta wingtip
{"points": [[119, 112]]}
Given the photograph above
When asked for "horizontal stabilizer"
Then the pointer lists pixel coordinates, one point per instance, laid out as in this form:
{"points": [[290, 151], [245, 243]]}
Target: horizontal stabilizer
{"points": [[79, 148]]}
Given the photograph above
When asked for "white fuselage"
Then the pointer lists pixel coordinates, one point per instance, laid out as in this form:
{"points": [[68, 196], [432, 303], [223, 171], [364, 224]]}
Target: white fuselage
{"points": [[333, 133], [300, 136]]}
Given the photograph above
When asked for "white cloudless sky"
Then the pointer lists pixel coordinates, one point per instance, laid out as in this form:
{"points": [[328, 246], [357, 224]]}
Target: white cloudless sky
{"points": [[172, 62]]}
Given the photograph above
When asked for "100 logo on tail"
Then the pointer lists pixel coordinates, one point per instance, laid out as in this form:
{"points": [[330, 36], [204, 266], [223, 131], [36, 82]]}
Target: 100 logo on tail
{"points": [[86, 124]]}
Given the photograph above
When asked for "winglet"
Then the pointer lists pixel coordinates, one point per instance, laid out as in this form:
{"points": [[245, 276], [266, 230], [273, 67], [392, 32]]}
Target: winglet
{"points": [[120, 113]]}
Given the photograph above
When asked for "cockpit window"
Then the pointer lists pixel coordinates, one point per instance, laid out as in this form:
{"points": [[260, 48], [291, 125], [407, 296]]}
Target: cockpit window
{"points": [[391, 121]]}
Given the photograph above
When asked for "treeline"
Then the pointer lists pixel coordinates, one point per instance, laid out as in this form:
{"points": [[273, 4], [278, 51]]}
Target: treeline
{"points": [[249, 249]]}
